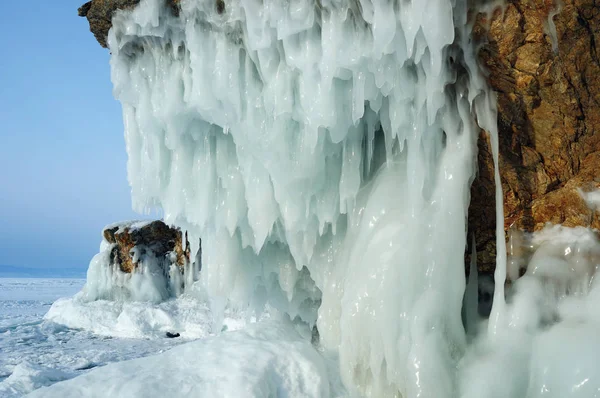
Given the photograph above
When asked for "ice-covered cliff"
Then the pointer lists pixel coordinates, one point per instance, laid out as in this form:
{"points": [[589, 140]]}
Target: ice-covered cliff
{"points": [[324, 152]]}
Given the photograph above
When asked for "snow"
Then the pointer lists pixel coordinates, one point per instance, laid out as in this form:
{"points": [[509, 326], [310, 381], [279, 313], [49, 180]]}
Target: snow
{"points": [[264, 360], [189, 316], [130, 225], [22, 304], [27, 377], [37, 352]]}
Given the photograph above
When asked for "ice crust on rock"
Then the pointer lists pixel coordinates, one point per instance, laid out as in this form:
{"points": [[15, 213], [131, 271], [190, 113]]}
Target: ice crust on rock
{"points": [[324, 151], [591, 198], [155, 276], [129, 225], [105, 281], [153, 299]]}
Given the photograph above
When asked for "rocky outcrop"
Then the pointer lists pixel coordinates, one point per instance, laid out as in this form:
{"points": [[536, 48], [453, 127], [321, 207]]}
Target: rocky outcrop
{"points": [[543, 62], [135, 240], [99, 14]]}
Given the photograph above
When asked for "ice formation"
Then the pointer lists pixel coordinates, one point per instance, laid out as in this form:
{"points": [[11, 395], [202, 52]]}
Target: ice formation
{"points": [[547, 346], [154, 278], [324, 151], [591, 198], [550, 26]]}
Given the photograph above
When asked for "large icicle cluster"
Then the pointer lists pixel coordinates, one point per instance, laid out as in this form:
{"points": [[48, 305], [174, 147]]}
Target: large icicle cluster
{"points": [[323, 150]]}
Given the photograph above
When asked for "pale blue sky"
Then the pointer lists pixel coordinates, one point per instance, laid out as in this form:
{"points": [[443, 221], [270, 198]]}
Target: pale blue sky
{"points": [[62, 152]]}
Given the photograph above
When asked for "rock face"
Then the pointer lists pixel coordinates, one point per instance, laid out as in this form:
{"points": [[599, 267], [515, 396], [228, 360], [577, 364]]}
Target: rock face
{"points": [[133, 240], [99, 14], [543, 62]]}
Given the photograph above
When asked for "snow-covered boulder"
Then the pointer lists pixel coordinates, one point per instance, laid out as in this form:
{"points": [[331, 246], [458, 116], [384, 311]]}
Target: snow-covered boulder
{"points": [[131, 240], [140, 261]]}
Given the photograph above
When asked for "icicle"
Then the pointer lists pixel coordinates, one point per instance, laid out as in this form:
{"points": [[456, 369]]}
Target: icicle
{"points": [[498, 308], [472, 293], [550, 26], [324, 158]]}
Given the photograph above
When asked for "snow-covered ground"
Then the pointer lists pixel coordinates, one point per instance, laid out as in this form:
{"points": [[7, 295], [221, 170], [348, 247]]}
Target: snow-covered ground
{"points": [[25, 300], [40, 348], [269, 359], [49, 333]]}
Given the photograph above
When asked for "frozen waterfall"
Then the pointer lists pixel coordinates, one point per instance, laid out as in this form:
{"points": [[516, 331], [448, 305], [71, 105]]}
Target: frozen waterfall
{"points": [[324, 151]]}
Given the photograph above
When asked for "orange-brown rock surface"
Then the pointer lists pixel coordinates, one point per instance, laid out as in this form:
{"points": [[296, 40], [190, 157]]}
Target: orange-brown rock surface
{"points": [[155, 238], [548, 117], [99, 14]]}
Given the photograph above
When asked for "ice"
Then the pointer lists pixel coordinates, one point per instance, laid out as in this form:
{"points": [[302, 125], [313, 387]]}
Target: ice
{"points": [[27, 377], [77, 335], [46, 289], [154, 278], [20, 314], [106, 281], [189, 316], [265, 360], [324, 156], [550, 27], [37, 352], [146, 303], [130, 225], [592, 198], [19, 306], [547, 343], [323, 152]]}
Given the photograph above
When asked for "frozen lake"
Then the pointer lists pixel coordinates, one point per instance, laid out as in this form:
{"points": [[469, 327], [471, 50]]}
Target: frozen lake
{"points": [[49, 334], [35, 352]]}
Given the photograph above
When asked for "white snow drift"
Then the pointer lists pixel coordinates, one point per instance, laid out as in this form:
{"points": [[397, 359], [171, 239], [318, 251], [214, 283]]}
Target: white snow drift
{"points": [[267, 361]]}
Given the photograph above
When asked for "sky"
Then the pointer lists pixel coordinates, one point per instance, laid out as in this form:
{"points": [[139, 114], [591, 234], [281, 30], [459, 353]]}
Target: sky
{"points": [[63, 163]]}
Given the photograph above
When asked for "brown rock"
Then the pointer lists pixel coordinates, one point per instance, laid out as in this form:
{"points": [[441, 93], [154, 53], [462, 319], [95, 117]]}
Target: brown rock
{"points": [[99, 14], [548, 118], [155, 237]]}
